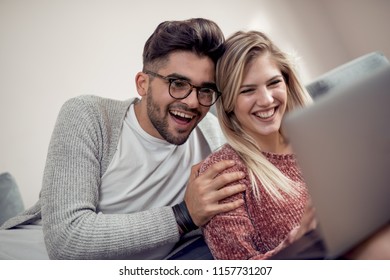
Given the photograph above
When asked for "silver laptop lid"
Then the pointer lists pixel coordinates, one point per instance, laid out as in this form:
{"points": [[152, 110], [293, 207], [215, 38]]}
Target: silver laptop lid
{"points": [[342, 143]]}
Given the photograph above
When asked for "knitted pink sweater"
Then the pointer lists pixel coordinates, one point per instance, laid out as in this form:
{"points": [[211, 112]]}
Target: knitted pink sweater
{"points": [[258, 229]]}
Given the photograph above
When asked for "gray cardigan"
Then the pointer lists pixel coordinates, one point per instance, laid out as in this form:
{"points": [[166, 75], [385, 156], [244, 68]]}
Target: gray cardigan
{"points": [[83, 143]]}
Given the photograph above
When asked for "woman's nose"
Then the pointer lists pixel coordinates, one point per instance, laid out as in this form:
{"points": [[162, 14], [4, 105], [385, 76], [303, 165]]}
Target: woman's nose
{"points": [[264, 97]]}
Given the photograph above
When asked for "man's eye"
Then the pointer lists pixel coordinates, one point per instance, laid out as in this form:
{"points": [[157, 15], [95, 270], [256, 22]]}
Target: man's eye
{"points": [[179, 84]]}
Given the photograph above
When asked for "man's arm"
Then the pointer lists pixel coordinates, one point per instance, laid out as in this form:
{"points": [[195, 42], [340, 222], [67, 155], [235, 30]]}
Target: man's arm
{"points": [[73, 227]]}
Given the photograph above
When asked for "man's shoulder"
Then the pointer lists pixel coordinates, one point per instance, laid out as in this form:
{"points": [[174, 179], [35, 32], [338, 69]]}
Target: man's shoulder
{"points": [[88, 110], [210, 119], [211, 130], [98, 101], [93, 106]]}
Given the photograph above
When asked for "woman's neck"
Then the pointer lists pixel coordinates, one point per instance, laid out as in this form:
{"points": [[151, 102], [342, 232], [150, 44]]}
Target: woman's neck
{"points": [[274, 143]]}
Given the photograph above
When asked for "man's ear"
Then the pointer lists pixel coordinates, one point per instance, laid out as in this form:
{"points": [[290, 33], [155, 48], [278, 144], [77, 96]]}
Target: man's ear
{"points": [[142, 83]]}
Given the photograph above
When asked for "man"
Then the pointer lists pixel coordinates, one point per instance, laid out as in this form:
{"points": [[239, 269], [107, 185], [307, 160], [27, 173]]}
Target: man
{"points": [[116, 181]]}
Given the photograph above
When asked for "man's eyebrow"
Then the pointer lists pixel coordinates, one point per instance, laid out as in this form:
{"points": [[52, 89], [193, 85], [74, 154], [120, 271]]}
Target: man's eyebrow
{"points": [[178, 76], [209, 85], [181, 77]]}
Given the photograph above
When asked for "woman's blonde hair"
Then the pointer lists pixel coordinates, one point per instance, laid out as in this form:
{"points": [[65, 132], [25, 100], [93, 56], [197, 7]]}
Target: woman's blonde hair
{"points": [[241, 49]]}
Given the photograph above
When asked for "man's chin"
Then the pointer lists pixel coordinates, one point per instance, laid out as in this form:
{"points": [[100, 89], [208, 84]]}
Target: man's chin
{"points": [[178, 139]]}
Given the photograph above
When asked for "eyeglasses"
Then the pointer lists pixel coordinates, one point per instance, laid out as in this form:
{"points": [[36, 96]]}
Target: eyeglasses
{"points": [[180, 89]]}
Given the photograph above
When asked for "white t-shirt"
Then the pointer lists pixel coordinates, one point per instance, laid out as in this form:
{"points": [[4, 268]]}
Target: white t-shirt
{"points": [[148, 172]]}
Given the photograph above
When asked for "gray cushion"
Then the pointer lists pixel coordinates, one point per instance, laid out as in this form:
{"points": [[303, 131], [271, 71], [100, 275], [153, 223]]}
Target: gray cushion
{"points": [[11, 202], [347, 73]]}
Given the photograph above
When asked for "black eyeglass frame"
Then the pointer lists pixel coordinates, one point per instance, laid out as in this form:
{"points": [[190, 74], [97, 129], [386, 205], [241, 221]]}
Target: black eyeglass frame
{"points": [[170, 80]]}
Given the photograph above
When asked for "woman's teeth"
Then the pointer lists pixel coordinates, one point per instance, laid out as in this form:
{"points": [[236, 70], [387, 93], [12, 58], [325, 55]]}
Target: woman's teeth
{"points": [[266, 114]]}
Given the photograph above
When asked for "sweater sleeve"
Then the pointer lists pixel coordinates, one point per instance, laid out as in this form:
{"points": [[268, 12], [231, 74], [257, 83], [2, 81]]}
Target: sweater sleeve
{"points": [[231, 235], [72, 227]]}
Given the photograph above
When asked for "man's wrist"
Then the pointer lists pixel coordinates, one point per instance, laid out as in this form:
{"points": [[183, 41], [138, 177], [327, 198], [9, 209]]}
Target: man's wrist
{"points": [[183, 218]]}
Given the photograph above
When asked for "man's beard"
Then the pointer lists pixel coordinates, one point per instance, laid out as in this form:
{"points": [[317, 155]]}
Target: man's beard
{"points": [[160, 123]]}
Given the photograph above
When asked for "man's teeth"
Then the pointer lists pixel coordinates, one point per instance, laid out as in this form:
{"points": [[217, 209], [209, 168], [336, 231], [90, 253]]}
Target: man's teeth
{"points": [[181, 114], [266, 114]]}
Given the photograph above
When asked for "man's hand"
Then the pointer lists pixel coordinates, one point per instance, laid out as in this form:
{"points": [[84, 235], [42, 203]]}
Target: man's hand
{"points": [[204, 191]]}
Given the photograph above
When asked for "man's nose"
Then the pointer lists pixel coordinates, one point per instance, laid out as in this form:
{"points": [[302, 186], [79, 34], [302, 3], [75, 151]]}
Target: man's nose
{"points": [[192, 99]]}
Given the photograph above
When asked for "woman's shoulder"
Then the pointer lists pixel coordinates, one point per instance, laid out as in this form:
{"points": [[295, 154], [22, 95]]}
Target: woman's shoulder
{"points": [[225, 152]]}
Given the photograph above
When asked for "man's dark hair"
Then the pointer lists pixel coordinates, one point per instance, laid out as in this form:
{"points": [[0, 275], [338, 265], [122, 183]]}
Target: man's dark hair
{"points": [[200, 36]]}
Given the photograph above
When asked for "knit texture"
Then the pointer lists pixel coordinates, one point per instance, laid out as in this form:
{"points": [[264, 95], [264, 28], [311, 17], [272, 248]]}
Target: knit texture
{"points": [[259, 228], [83, 143]]}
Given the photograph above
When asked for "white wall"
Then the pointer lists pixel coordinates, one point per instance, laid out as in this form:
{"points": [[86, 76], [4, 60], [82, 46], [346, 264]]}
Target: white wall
{"points": [[51, 50]]}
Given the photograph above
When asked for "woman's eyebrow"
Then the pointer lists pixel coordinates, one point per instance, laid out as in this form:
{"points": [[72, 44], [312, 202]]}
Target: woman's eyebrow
{"points": [[275, 77], [270, 79], [248, 85]]}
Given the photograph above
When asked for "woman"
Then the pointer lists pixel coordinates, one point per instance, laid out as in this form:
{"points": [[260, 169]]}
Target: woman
{"points": [[259, 85]]}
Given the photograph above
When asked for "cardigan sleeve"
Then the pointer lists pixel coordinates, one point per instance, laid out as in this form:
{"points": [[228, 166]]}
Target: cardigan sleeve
{"points": [[73, 229]]}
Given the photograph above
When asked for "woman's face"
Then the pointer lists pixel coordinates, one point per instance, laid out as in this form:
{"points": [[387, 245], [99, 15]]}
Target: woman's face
{"points": [[262, 99]]}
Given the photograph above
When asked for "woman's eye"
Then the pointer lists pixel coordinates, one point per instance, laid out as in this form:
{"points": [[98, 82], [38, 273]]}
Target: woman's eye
{"points": [[275, 82], [248, 90]]}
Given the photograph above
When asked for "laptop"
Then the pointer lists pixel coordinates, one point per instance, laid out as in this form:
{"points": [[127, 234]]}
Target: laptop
{"points": [[342, 143]]}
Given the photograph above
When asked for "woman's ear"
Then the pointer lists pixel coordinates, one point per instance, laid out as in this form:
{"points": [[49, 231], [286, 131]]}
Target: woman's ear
{"points": [[142, 83]]}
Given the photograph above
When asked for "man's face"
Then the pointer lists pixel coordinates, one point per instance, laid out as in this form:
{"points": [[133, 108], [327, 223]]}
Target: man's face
{"points": [[169, 118]]}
